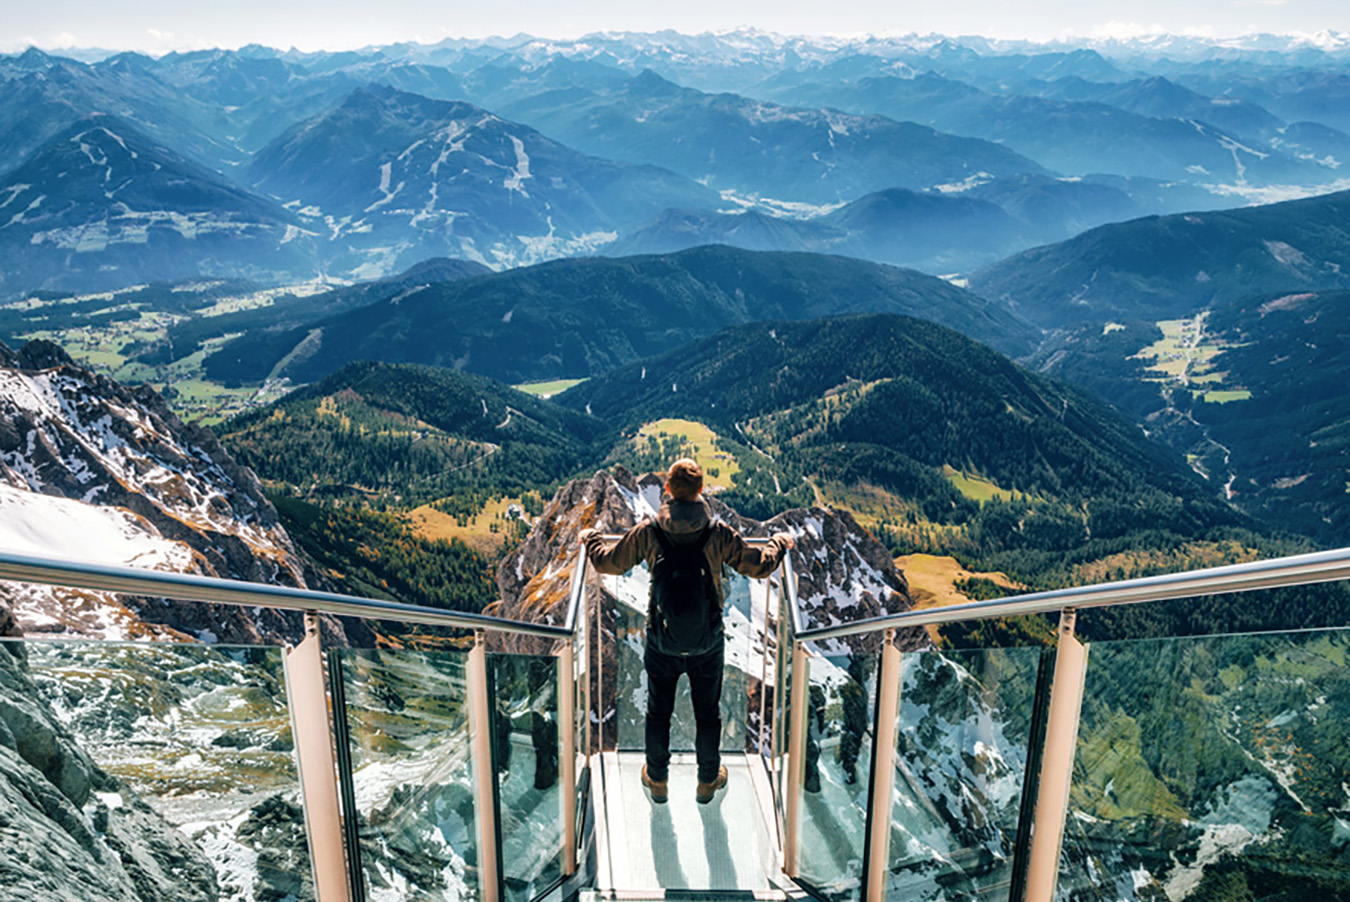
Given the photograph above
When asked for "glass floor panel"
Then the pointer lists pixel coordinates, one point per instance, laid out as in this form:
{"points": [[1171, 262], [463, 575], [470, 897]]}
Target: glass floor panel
{"points": [[682, 845]]}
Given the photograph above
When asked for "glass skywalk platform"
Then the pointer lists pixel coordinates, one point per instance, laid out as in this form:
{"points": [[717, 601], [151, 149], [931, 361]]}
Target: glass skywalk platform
{"points": [[646, 848], [508, 769]]}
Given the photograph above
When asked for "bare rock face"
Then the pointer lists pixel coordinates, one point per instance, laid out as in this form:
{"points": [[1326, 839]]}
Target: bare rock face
{"points": [[70, 832], [90, 469], [9, 627]]}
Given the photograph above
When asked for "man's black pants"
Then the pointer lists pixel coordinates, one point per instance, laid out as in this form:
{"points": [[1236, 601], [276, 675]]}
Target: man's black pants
{"points": [[705, 688]]}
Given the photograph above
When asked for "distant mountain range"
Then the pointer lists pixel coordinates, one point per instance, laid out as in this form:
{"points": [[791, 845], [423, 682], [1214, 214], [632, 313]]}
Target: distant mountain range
{"points": [[1162, 267], [811, 155], [514, 151], [931, 232], [1132, 137]]}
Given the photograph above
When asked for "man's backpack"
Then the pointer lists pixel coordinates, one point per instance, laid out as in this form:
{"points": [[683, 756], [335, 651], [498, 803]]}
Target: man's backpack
{"points": [[684, 612]]}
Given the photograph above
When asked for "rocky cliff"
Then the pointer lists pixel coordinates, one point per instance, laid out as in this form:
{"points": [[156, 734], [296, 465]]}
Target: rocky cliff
{"points": [[71, 832], [93, 470]]}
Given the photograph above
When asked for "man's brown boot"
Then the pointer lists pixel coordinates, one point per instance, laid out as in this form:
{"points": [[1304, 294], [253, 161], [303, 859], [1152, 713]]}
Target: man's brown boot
{"points": [[656, 789], [705, 791]]}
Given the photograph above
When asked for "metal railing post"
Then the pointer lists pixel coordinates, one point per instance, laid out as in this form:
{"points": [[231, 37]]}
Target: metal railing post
{"points": [[312, 729], [484, 771], [597, 640], [587, 684], [567, 753], [765, 689], [796, 755], [1061, 739], [883, 772]]}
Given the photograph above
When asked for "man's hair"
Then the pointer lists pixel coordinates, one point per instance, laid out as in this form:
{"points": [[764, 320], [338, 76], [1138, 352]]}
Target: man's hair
{"points": [[685, 479]]}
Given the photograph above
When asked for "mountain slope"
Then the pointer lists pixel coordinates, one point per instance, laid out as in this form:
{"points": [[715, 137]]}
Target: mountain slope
{"points": [[1163, 267], [935, 232], [752, 230], [411, 433], [1260, 408], [930, 232], [938, 440], [290, 311], [398, 177], [1162, 98], [757, 369], [46, 95], [573, 318], [101, 205], [90, 468], [731, 142]]}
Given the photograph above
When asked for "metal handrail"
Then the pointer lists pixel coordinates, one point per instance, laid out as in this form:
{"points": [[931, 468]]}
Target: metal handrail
{"points": [[749, 540], [212, 590], [1303, 569], [1295, 570]]}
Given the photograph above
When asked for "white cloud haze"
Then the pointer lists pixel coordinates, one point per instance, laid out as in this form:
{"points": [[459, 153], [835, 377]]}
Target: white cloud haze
{"points": [[160, 25]]}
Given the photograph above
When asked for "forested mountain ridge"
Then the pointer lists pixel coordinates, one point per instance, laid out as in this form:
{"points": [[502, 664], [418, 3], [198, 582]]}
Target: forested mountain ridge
{"points": [[575, 318], [411, 434], [281, 323], [1163, 267]]}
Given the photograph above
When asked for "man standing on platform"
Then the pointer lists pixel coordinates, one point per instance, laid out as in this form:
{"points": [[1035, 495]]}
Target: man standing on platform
{"points": [[686, 549]]}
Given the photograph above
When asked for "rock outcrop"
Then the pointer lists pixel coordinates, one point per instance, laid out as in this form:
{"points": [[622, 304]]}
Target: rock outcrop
{"points": [[97, 471], [844, 574], [70, 832]]}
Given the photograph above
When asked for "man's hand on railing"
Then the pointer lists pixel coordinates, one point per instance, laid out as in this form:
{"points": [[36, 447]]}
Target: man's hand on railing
{"points": [[593, 540]]}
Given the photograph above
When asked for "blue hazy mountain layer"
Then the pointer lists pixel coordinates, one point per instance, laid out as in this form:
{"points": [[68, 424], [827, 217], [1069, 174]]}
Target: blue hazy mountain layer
{"points": [[1163, 267], [410, 177], [101, 205], [787, 127], [737, 143]]}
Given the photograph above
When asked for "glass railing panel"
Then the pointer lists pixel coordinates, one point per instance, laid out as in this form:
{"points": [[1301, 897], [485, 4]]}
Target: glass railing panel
{"points": [[962, 740], [407, 716], [525, 755], [630, 594], [200, 734], [1212, 768], [833, 813], [785, 641], [762, 654], [581, 671]]}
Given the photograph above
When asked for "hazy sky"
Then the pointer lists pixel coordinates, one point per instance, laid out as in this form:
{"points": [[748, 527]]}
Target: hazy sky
{"points": [[162, 25]]}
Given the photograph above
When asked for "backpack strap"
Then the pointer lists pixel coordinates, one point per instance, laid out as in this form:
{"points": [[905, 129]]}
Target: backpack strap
{"points": [[702, 541], [662, 539], [668, 546]]}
